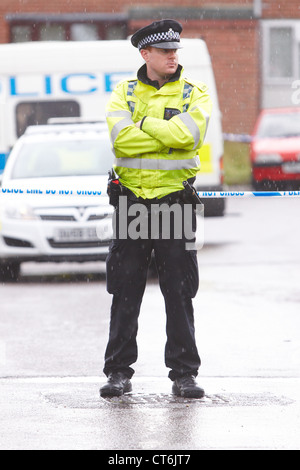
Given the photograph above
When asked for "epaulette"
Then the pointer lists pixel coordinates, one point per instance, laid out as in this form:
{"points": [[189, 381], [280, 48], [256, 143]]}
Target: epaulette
{"points": [[200, 85]]}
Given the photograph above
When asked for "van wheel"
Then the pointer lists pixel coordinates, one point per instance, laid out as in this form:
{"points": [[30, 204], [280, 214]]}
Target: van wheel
{"points": [[9, 272], [214, 207]]}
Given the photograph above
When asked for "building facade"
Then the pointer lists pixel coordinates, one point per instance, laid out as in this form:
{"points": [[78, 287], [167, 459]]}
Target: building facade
{"points": [[254, 44]]}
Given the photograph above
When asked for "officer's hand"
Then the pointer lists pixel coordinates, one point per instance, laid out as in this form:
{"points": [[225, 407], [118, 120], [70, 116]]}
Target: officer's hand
{"points": [[138, 124]]}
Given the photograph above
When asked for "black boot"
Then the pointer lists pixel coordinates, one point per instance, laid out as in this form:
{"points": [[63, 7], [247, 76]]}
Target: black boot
{"points": [[187, 387], [117, 384]]}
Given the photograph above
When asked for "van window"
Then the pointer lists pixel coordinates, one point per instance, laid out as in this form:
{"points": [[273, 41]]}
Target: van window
{"points": [[33, 113]]}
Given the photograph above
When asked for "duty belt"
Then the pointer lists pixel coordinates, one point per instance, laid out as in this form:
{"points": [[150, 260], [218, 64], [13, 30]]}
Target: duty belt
{"points": [[172, 198]]}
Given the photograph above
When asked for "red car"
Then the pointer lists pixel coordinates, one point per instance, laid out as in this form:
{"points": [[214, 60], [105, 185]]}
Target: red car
{"points": [[275, 149]]}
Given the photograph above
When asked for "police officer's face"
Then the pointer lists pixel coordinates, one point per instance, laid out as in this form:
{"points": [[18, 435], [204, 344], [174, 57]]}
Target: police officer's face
{"points": [[161, 63]]}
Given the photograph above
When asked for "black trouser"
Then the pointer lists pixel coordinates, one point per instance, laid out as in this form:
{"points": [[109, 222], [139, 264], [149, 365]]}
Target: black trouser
{"points": [[127, 266]]}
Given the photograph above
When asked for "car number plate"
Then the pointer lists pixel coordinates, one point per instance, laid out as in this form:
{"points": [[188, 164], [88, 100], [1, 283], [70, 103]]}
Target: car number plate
{"points": [[291, 167], [76, 234]]}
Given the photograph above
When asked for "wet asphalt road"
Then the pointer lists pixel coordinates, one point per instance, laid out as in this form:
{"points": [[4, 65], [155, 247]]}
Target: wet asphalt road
{"points": [[53, 333]]}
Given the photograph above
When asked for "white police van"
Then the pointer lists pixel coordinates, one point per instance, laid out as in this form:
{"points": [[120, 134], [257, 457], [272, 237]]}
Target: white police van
{"points": [[43, 80]]}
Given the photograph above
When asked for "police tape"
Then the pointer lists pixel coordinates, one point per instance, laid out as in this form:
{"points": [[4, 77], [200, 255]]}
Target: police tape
{"points": [[245, 194], [203, 194], [49, 192]]}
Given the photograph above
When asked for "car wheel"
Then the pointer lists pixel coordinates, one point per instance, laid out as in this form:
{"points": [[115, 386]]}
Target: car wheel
{"points": [[264, 185], [9, 272]]}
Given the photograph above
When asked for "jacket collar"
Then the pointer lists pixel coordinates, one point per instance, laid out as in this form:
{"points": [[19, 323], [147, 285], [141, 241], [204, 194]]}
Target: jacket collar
{"points": [[143, 77]]}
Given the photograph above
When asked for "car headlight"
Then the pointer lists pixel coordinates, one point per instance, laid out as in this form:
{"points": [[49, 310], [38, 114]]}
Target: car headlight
{"points": [[267, 158], [21, 212]]}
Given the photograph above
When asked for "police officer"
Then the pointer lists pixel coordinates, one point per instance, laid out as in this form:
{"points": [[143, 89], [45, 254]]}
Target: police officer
{"points": [[157, 124]]}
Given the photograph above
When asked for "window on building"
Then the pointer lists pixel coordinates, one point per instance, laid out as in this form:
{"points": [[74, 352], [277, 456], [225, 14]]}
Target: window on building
{"points": [[20, 33], [281, 52], [67, 27], [280, 61], [83, 32], [116, 32], [52, 32]]}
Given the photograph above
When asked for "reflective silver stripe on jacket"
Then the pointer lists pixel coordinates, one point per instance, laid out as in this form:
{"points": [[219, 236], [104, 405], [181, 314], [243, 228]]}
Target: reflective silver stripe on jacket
{"points": [[120, 125], [192, 127], [158, 164], [207, 118]]}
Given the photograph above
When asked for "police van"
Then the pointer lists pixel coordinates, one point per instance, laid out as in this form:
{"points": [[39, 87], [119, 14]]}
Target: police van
{"points": [[44, 80]]}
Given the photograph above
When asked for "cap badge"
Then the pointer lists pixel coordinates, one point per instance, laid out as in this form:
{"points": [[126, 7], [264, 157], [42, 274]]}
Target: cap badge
{"points": [[171, 34]]}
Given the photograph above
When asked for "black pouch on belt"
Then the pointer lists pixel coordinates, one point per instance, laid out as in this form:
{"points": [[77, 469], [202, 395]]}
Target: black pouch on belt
{"points": [[114, 188]]}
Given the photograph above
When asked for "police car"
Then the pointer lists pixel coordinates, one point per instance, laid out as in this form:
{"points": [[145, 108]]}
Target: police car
{"points": [[53, 201]]}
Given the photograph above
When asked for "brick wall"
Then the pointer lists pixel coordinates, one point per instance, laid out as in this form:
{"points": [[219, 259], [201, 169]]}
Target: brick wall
{"points": [[89, 6], [281, 9], [233, 47]]}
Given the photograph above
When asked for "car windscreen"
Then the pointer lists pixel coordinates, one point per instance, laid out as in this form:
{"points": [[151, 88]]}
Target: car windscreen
{"points": [[60, 158], [279, 125]]}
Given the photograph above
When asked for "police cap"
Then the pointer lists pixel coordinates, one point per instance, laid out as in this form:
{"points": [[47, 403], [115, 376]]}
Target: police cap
{"points": [[164, 34]]}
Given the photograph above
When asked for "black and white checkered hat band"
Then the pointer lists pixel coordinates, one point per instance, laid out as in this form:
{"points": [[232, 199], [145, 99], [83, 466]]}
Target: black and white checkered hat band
{"points": [[157, 38]]}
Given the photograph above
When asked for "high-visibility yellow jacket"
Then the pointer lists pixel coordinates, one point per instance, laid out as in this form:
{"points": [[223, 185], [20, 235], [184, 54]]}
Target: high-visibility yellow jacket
{"points": [[154, 161]]}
